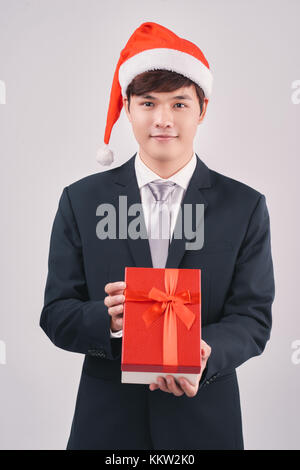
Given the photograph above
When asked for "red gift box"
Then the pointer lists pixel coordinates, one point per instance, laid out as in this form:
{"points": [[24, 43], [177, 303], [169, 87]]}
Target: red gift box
{"points": [[161, 324]]}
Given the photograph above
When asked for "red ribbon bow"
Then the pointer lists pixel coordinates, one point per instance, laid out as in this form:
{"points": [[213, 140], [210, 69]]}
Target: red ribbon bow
{"points": [[171, 304]]}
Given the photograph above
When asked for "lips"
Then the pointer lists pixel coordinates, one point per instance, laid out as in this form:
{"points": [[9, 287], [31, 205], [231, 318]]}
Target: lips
{"points": [[162, 137]]}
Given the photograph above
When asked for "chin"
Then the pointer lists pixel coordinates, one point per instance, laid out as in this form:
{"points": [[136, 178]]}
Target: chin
{"points": [[161, 154], [163, 157]]}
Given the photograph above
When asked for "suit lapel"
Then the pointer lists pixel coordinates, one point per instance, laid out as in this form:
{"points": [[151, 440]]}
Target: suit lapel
{"points": [[193, 195], [126, 185]]}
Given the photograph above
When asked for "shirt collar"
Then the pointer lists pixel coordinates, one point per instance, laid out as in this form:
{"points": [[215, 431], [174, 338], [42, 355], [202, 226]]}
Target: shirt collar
{"points": [[145, 175]]}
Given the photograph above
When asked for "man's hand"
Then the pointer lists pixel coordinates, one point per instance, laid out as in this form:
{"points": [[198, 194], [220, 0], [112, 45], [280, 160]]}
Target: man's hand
{"points": [[114, 301], [170, 385]]}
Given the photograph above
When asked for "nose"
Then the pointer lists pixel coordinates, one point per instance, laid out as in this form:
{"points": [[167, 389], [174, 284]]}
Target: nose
{"points": [[163, 118]]}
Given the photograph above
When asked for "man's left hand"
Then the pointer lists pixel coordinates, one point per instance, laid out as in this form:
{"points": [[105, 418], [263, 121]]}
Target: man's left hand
{"points": [[169, 384]]}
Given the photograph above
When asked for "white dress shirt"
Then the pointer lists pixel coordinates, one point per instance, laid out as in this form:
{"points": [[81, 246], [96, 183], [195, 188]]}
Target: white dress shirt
{"points": [[144, 176]]}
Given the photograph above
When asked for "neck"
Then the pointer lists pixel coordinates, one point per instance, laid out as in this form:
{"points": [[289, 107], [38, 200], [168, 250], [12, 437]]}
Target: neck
{"points": [[165, 168]]}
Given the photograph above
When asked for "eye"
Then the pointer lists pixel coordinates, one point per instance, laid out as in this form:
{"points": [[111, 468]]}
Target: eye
{"points": [[149, 102]]}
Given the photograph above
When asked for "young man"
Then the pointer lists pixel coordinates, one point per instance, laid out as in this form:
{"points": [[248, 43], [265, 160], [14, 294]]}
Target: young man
{"points": [[164, 83]]}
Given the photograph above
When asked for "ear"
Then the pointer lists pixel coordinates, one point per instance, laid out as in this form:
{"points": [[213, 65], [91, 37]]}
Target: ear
{"points": [[204, 108], [125, 104]]}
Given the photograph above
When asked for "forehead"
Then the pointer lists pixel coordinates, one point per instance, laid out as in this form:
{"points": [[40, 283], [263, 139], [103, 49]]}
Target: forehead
{"points": [[183, 93]]}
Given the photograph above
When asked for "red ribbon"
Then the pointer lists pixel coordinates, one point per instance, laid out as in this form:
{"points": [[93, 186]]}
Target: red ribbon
{"points": [[171, 304]]}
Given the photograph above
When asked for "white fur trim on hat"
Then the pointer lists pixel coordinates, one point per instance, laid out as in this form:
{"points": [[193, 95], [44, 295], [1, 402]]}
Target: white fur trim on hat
{"points": [[167, 59]]}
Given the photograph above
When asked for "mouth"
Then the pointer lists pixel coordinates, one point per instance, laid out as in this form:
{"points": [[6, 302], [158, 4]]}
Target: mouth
{"points": [[163, 138]]}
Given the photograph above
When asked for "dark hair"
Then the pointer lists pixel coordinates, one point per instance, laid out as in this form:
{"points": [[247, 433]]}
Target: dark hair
{"points": [[161, 80]]}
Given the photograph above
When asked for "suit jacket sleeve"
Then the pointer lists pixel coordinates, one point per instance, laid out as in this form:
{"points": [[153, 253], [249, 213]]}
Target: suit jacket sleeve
{"points": [[69, 318], [246, 321]]}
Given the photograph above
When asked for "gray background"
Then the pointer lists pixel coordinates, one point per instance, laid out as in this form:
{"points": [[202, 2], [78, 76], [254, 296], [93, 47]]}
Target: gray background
{"points": [[57, 59]]}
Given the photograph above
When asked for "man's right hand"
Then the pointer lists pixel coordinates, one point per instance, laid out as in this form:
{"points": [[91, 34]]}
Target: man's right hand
{"points": [[114, 301]]}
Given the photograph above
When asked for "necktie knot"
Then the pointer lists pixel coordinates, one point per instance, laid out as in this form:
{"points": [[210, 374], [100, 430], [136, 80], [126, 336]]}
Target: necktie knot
{"points": [[161, 189]]}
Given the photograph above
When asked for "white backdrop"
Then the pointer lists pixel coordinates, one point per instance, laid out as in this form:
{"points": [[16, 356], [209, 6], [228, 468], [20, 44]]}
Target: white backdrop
{"points": [[57, 60]]}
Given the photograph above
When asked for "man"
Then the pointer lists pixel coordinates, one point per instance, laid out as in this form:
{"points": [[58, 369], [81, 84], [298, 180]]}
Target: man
{"points": [[165, 83]]}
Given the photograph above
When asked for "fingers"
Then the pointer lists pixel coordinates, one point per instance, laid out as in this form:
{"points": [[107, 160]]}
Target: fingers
{"points": [[112, 300], [167, 385], [170, 385], [116, 323], [162, 384], [153, 386], [112, 287], [116, 309], [159, 385], [173, 386], [189, 389], [115, 299], [205, 350]]}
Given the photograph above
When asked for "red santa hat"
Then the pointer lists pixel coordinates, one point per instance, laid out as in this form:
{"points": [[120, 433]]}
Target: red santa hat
{"points": [[152, 47]]}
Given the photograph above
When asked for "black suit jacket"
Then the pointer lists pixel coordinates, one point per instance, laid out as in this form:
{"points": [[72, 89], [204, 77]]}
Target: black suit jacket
{"points": [[237, 294]]}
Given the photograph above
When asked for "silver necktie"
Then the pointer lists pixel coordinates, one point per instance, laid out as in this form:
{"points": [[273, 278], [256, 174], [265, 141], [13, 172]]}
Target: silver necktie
{"points": [[159, 226]]}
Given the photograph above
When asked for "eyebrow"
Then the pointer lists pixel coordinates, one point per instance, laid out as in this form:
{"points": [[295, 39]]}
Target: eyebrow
{"points": [[178, 97]]}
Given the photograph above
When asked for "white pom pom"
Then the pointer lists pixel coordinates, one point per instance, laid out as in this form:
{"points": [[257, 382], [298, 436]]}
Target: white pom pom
{"points": [[105, 156]]}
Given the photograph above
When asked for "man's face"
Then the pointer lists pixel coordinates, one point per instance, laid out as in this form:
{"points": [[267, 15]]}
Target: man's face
{"points": [[175, 114]]}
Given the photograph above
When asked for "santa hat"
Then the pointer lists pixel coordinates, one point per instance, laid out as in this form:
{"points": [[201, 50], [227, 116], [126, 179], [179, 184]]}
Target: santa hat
{"points": [[152, 47]]}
